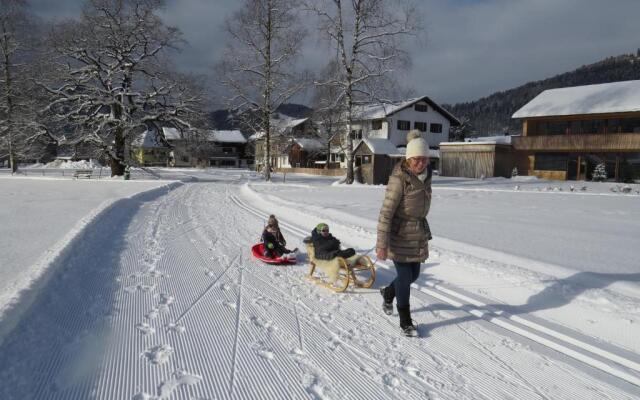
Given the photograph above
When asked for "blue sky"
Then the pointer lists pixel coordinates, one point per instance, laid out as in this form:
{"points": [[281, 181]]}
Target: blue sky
{"points": [[470, 48]]}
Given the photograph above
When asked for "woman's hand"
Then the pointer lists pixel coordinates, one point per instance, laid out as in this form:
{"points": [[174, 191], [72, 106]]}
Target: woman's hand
{"points": [[381, 254]]}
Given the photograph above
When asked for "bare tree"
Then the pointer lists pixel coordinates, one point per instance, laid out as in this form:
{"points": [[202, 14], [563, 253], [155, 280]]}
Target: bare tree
{"points": [[116, 81], [328, 113], [367, 37], [19, 130], [258, 66]]}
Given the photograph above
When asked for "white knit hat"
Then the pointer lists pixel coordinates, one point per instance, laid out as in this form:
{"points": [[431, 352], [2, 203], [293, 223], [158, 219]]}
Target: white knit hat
{"points": [[417, 146]]}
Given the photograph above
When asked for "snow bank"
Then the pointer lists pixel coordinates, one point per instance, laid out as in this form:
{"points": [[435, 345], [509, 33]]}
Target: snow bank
{"points": [[14, 302], [82, 164]]}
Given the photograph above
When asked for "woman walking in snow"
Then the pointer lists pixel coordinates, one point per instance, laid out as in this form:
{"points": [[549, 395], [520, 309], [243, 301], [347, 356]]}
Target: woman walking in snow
{"points": [[403, 231]]}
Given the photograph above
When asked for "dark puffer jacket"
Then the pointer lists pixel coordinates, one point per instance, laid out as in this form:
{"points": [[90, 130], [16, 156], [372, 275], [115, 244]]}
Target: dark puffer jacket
{"points": [[402, 225], [326, 248]]}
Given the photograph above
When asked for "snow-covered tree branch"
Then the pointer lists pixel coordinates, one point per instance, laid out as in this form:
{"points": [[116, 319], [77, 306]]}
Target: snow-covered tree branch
{"points": [[258, 67], [367, 38], [116, 82]]}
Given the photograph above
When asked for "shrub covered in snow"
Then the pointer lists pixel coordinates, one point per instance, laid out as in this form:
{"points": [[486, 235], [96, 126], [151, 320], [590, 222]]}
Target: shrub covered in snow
{"points": [[600, 173]]}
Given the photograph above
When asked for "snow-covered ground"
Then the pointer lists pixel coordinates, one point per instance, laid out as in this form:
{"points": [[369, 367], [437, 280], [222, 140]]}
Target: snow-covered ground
{"points": [[528, 294]]}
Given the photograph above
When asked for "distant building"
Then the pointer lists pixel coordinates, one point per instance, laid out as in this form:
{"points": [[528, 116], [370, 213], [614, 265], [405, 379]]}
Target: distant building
{"points": [[208, 148], [283, 130], [567, 132], [225, 149], [393, 121], [150, 149]]}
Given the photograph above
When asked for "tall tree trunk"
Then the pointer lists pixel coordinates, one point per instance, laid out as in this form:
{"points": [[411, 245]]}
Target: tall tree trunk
{"points": [[13, 163], [267, 94], [117, 162]]}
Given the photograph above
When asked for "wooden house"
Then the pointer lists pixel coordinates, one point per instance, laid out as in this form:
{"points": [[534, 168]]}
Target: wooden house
{"points": [[568, 131]]}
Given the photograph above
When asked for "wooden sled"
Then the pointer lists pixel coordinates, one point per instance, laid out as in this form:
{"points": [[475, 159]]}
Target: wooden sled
{"points": [[357, 270]]}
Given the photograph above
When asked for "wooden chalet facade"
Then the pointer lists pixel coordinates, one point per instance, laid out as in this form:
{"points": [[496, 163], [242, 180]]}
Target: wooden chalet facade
{"points": [[567, 132]]}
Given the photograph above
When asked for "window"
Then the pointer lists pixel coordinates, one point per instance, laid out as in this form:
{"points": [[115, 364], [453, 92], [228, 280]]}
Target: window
{"points": [[551, 162], [366, 159], [341, 157], [421, 126], [575, 127], [227, 150], [376, 124], [356, 134], [613, 126], [630, 125], [421, 107], [404, 125], [436, 128], [557, 128]]}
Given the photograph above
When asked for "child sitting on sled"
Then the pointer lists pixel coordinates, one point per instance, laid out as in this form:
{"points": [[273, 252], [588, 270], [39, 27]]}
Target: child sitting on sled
{"points": [[326, 246], [274, 242]]}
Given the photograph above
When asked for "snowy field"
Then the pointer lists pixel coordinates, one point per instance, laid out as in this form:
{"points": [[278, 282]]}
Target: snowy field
{"points": [[531, 293]]}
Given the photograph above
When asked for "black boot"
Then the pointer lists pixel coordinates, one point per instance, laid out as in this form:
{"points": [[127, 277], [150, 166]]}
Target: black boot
{"points": [[387, 301], [406, 323]]}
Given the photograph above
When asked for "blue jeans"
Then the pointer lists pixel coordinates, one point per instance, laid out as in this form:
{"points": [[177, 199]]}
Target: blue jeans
{"points": [[407, 273]]}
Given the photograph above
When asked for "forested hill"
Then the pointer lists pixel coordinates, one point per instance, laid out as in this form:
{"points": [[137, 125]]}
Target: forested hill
{"points": [[220, 118], [492, 115]]}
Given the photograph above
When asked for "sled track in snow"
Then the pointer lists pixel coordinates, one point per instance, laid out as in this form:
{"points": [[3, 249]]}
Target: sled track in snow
{"points": [[599, 358]]}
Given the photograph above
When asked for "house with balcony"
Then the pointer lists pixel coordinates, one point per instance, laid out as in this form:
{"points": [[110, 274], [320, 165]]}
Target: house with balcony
{"points": [[224, 149], [567, 132]]}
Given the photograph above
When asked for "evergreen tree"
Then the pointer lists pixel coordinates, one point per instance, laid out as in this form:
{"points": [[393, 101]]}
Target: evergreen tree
{"points": [[600, 173]]}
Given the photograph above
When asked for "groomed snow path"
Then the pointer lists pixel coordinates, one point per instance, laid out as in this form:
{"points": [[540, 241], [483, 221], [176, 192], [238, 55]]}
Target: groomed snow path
{"points": [[165, 301]]}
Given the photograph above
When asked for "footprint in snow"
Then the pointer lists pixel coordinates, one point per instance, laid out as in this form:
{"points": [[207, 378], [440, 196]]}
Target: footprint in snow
{"points": [[262, 350], [166, 300], [180, 377], [139, 287], [145, 328], [176, 328], [261, 301], [153, 314], [326, 317], [264, 324], [166, 388], [158, 354], [391, 380], [232, 305]]}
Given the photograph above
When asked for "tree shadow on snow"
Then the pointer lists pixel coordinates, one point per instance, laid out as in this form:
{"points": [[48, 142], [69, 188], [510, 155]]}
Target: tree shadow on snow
{"points": [[63, 321]]}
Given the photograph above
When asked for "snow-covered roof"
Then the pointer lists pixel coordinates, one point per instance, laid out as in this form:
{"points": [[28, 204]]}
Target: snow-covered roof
{"points": [[590, 99], [171, 133], [381, 146], [256, 136], [234, 136], [377, 111], [502, 139], [283, 123], [148, 139], [309, 143]]}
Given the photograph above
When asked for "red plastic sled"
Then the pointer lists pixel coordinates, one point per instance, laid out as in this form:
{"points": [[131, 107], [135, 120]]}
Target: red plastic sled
{"points": [[258, 252]]}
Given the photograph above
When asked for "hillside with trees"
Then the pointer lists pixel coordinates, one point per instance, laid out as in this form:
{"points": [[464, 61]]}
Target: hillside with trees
{"points": [[491, 115]]}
